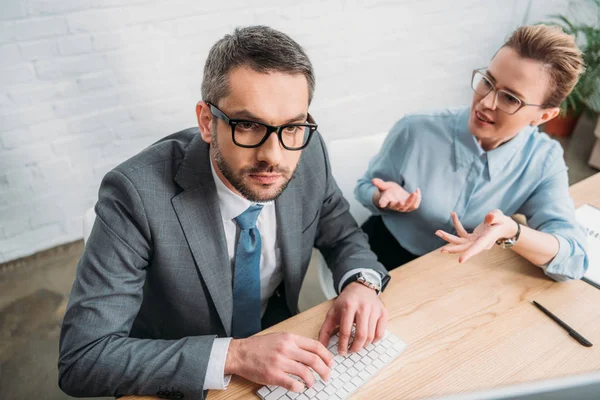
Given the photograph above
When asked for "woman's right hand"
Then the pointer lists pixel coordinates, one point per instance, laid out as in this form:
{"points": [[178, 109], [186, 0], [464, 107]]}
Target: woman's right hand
{"points": [[391, 196]]}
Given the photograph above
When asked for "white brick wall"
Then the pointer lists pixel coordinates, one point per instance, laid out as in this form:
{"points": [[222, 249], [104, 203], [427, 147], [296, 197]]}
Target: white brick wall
{"points": [[87, 83]]}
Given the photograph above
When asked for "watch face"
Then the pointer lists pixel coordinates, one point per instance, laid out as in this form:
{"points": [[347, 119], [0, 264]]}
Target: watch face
{"points": [[368, 283], [508, 243]]}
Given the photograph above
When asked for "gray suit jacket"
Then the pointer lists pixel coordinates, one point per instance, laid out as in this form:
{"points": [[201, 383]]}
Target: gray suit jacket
{"points": [[154, 285]]}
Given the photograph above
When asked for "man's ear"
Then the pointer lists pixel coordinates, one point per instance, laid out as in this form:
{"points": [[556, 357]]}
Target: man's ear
{"points": [[547, 115], [205, 120]]}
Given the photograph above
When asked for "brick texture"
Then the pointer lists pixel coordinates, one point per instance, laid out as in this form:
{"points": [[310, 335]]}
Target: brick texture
{"points": [[84, 84]]}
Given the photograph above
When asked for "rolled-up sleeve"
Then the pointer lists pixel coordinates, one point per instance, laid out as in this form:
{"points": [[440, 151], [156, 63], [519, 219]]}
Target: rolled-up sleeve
{"points": [[550, 209], [383, 166]]}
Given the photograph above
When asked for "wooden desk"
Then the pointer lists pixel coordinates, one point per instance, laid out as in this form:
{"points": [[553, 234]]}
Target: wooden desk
{"points": [[472, 326]]}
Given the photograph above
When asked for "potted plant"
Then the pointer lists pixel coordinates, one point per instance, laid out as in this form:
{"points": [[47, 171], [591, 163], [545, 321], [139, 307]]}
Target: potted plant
{"points": [[585, 97]]}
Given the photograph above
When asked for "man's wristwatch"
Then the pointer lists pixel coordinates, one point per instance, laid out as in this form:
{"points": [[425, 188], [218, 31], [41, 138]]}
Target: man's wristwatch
{"points": [[368, 281], [510, 242]]}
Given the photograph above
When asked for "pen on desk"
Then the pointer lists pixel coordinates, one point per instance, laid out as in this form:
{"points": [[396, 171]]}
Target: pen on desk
{"points": [[594, 284], [571, 331]]}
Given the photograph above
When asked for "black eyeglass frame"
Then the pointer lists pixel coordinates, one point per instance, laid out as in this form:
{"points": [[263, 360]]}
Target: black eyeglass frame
{"points": [[312, 127], [493, 88]]}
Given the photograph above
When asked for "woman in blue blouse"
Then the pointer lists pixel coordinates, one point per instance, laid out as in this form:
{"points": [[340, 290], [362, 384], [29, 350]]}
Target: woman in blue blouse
{"points": [[456, 176]]}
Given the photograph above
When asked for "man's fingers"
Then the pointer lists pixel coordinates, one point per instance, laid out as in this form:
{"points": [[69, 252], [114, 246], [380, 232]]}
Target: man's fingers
{"points": [[289, 383], [327, 329], [301, 370], [449, 237], [381, 326], [345, 330], [458, 226], [316, 348], [372, 327], [313, 361], [362, 330]]}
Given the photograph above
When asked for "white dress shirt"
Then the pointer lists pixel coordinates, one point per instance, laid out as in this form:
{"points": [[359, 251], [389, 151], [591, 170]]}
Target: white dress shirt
{"points": [[271, 272]]}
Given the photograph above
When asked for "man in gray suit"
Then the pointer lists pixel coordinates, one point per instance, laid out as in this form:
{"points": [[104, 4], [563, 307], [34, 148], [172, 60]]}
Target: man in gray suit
{"points": [[207, 233]]}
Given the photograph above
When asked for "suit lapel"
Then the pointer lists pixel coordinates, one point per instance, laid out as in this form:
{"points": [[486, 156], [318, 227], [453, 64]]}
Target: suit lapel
{"points": [[197, 209], [289, 232]]}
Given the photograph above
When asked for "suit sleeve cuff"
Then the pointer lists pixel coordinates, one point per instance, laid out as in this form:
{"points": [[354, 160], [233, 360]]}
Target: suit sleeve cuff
{"points": [[369, 272], [215, 371]]}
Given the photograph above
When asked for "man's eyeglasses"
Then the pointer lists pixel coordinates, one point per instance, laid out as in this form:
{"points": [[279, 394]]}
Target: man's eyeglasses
{"points": [[251, 134], [505, 101]]}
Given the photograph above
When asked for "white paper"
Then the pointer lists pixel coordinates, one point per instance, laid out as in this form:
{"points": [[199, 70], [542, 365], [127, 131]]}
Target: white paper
{"points": [[589, 217]]}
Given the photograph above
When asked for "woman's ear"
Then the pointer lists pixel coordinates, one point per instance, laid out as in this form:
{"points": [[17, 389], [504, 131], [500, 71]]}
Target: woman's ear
{"points": [[546, 115]]}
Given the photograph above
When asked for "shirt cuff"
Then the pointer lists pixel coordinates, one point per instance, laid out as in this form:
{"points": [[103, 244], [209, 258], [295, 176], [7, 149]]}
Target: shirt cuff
{"points": [[369, 193], [367, 271], [215, 372], [554, 269]]}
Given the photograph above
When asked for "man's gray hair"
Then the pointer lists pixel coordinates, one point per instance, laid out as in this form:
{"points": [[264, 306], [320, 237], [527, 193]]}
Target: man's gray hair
{"points": [[260, 48]]}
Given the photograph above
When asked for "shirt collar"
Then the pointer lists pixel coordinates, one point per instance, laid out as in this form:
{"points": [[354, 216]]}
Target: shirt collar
{"points": [[500, 156], [231, 203], [467, 149]]}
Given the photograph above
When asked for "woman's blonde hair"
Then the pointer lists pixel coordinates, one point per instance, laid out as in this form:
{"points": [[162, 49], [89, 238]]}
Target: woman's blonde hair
{"points": [[557, 51]]}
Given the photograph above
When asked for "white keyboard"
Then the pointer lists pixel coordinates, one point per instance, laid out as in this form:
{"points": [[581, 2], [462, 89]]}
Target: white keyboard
{"points": [[347, 374]]}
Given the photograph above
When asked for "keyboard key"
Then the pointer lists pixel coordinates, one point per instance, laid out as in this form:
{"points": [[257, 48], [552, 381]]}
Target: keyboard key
{"points": [[263, 391], [371, 369], [322, 396], [364, 375], [302, 397], [329, 389], [310, 393], [318, 386], [337, 383], [391, 352], [352, 371], [350, 386], [360, 365], [276, 394], [345, 377]]}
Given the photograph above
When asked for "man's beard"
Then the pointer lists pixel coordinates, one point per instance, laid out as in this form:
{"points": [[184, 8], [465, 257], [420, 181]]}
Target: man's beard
{"points": [[237, 178]]}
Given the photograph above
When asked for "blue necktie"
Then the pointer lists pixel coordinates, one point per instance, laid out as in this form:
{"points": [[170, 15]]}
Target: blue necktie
{"points": [[246, 275]]}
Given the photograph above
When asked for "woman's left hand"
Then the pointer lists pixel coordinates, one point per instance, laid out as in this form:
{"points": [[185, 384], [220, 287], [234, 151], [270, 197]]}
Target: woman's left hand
{"points": [[495, 226]]}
